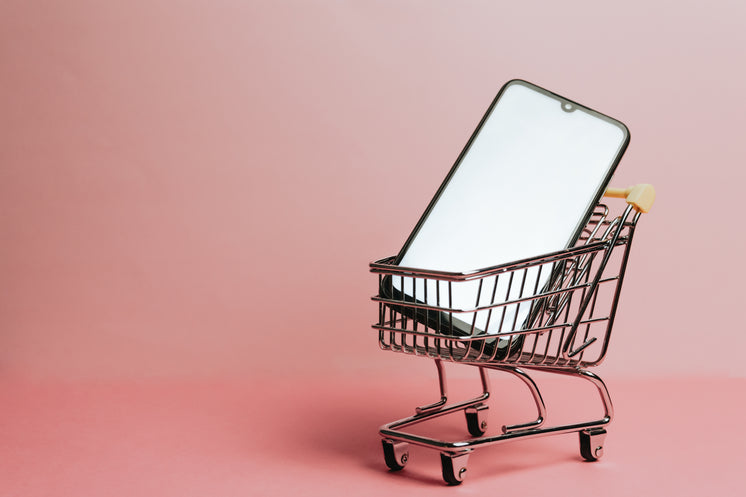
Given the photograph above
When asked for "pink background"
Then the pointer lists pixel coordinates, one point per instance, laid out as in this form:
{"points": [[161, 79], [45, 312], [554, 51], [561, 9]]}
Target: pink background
{"points": [[188, 186], [191, 191]]}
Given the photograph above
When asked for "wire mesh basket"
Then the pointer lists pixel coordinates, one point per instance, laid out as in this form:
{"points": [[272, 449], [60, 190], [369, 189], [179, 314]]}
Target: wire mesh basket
{"points": [[568, 319]]}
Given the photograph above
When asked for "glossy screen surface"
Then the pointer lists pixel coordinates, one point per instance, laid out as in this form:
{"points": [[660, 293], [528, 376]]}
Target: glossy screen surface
{"points": [[523, 187]]}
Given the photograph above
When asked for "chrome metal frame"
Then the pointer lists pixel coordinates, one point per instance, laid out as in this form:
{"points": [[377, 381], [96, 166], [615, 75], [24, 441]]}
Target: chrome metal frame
{"points": [[568, 332]]}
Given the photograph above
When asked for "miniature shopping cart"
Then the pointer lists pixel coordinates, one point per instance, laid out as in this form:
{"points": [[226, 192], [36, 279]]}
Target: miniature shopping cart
{"points": [[567, 331]]}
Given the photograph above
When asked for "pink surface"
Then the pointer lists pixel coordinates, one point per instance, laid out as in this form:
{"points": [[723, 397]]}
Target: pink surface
{"points": [[284, 438], [190, 193]]}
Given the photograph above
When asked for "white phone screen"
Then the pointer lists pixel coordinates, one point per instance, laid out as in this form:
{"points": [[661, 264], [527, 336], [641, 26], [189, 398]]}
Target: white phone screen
{"points": [[523, 187]]}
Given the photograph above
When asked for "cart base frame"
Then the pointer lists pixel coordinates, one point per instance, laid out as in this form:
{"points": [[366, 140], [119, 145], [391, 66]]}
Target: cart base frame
{"points": [[455, 454]]}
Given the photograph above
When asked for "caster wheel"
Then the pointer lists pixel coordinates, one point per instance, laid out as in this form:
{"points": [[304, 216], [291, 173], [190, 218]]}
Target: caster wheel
{"points": [[396, 454], [592, 443], [476, 419], [454, 467]]}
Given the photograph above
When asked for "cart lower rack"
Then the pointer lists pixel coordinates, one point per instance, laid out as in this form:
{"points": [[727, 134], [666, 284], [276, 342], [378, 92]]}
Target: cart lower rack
{"points": [[564, 329]]}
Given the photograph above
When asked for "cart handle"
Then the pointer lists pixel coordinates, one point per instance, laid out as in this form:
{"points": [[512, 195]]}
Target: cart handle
{"points": [[641, 196]]}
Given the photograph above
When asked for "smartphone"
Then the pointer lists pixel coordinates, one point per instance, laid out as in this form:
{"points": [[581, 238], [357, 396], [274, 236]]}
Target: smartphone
{"points": [[524, 185]]}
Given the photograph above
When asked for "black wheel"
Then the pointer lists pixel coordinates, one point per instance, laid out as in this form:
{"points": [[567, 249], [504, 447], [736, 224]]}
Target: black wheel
{"points": [[476, 420], [454, 468], [396, 454], [475, 426], [592, 443]]}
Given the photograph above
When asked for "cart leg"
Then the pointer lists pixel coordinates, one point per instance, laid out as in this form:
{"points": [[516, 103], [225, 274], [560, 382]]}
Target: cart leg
{"points": [[454, 467], [603, 392], [538, 400], [396, 454], [443, 391]]}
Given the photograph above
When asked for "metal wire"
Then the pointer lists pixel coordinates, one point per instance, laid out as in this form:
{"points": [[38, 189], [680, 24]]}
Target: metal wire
{"points": [[570, 301]]}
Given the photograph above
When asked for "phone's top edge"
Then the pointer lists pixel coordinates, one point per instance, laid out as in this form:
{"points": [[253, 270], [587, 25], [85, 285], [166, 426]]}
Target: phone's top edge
{"points": [[519, 81], [606, 117]]}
